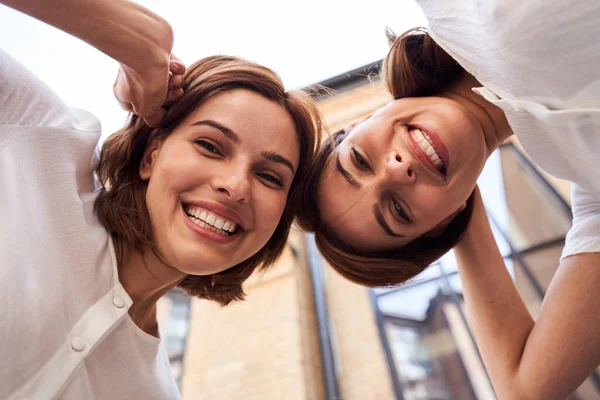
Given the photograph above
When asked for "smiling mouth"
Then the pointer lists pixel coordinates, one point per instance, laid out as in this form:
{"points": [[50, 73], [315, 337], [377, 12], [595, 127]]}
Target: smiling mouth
{"points": [[213, 222], [426, 145]]}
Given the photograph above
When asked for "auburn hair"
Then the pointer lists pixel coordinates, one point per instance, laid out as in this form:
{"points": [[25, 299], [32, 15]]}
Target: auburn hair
{"points": [[121, 204], [415, 66]]}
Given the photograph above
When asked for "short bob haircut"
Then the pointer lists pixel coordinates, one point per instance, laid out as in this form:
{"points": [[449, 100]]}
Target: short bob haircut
{"points": [[415, 66], [121, 204]]}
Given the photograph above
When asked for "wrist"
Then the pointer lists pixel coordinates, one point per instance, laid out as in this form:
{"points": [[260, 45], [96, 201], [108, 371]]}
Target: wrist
{"points": [[137, 39]]}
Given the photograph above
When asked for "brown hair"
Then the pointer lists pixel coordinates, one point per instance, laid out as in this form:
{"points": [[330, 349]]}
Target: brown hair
{"points": [[414, 66], [121, 204]]}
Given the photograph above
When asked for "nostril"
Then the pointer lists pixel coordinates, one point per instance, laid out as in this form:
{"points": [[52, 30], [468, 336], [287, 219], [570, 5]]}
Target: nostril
{"points": [[409, 171], [398, 158]]}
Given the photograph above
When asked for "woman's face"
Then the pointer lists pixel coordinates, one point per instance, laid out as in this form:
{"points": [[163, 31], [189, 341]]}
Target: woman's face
{"points": [[218, 184], [402, 172]]}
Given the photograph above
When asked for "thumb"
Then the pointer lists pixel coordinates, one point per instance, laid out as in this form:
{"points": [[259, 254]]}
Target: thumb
{"points": [[153, 119]]}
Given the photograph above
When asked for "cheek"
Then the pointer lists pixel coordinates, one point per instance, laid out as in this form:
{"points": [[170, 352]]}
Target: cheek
{"points": [[268, 210], [176, 172], [434, 205]]}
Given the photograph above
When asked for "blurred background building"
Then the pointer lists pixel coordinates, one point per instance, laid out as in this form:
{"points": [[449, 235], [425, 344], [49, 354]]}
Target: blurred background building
{"points": [[305, 333]]}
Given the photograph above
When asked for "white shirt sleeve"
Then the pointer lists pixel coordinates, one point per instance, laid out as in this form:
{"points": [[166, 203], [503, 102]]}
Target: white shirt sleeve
{"points": [[584, 235], [25, 100]]}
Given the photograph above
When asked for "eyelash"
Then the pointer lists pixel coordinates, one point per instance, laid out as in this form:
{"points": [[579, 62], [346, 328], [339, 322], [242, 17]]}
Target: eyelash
{"points": [[213, 149], [208, 146], [360, 160], [271, 179], [397, 209]]}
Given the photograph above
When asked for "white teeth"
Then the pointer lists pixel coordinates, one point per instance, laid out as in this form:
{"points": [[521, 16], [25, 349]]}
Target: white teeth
{"points": [[424, 142], [210, 221]]}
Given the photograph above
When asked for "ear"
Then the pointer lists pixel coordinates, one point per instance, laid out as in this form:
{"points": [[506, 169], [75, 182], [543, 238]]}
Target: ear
{"points": [[441, 227], [148, 159]]}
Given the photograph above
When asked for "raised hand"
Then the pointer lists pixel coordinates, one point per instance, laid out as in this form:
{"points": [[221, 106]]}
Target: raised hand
{"points": [[145, 93]]}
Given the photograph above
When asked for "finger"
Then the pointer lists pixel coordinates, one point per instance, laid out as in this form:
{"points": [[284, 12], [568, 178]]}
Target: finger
{"points": [[175, 81], [125, 105], [154, 120], [173, 96], [177, 67]]}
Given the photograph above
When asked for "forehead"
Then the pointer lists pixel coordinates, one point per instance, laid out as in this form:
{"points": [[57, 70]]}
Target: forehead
{"points": [[258, 121]]}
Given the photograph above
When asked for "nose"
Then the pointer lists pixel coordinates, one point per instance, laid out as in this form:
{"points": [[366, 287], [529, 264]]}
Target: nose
{"points": [[399, 169], [234, 184]]}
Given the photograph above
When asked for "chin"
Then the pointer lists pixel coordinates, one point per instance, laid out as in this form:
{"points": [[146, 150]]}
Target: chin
{"points": [[202, 266]]}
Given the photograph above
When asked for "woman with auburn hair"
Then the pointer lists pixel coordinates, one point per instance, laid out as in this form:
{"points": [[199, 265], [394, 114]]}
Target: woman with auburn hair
{"points": [[197, 192], [396, 191]]}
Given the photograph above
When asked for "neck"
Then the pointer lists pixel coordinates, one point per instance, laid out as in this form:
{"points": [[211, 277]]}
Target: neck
{"points": [[492, 119], [146, 278]]}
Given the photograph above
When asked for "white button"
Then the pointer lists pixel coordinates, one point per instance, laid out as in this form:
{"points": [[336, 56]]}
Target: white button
{"points": [[118, 302], [78, 344]]}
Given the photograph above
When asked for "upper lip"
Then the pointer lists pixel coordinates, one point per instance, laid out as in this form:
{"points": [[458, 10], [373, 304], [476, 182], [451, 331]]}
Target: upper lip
{"points": [[221, 210], [419, 155]]}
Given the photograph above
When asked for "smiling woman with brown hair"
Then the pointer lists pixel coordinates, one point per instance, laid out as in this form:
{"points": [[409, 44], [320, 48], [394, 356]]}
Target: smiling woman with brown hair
{"points": [[217, 171], [198, 191], [393, 193]]}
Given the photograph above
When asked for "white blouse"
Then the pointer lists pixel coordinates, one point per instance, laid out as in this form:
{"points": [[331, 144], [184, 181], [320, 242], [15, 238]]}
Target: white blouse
{"points": [[65, 330], [539, 61]]}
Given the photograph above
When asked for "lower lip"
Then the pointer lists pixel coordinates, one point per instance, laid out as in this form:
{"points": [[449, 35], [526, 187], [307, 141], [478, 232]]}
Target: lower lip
{"points": [[421, 155], [207, 233]]}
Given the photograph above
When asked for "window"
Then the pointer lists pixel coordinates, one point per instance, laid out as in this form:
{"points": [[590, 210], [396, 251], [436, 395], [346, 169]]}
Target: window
{"points": [[174, 312]]}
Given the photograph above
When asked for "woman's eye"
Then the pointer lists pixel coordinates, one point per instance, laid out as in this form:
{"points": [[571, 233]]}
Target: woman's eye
{"points": [[400, 211], [208, 146], [360, 160], [271, 179]]}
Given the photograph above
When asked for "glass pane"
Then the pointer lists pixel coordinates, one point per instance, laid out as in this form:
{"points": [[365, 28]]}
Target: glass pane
{"points": [[411, 303], [436, 358], [177, 330], [455, 283], [543, 264], [449, 263], [534, 213], [433, 351]]}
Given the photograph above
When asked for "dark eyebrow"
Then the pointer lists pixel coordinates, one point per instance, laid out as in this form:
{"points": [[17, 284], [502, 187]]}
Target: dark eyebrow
{"points": [[384, 225], [225, 130], [347, 175], [272, 156]]}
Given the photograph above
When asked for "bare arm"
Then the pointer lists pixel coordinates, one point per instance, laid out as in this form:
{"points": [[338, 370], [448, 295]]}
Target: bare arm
{"points": [[526, 359], [138, 39]]}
